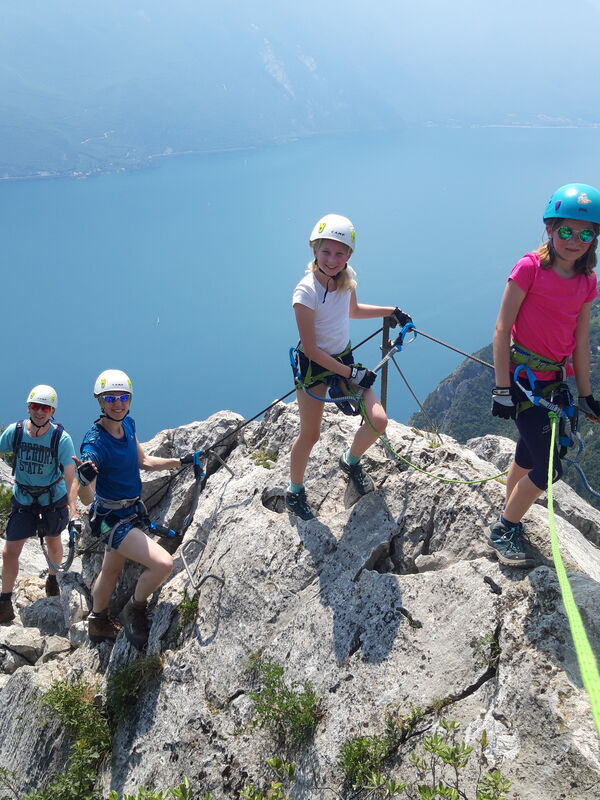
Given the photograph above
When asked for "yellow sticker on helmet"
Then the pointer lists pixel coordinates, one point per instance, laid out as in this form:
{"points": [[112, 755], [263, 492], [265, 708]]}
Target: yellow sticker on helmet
{"points": [[322, 227]]}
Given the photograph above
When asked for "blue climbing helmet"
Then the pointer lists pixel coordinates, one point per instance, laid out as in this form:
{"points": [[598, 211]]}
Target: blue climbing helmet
{"points": [[574, 201]]}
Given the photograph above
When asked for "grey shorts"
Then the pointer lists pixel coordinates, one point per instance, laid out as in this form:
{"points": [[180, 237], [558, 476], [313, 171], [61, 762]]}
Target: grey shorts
{"points": [[27, 521]]}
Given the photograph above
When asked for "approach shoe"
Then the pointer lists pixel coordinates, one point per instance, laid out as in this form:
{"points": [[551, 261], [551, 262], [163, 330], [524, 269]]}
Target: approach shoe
{"points": [[7, 612], [135, 624], [510, 545], [296, 503], [102, 629], [52, 588], [363, 483]]}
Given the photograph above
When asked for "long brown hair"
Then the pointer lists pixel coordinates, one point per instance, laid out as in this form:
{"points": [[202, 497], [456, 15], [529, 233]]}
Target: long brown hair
{"points": [[584, 265]]}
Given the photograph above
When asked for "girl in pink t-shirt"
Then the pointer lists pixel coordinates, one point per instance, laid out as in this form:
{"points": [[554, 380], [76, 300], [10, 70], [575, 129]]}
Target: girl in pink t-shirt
{"points": [[545, 317]]}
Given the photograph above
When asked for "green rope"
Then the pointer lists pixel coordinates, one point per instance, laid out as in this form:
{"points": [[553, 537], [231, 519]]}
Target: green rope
{"points": [[386, 443], [585, 655]]}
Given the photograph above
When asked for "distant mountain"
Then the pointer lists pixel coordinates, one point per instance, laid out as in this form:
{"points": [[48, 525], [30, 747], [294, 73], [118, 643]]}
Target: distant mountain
{"points": [[88, 87], [460, 406]]}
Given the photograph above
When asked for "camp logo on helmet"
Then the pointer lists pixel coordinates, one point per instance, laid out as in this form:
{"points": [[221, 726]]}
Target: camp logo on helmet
{"points": [[583, 199]]}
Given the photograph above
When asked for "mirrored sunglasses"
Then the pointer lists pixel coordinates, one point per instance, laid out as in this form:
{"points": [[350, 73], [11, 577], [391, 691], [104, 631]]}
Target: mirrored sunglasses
{"points": [[113, 398], [40, 407], [565, 233]]}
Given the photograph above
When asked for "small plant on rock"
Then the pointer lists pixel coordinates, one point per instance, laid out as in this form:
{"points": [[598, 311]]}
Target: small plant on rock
{"points": [[181, 792], [124, 685], [289, 712], [187, 609], [264, 458], [284, 773]]}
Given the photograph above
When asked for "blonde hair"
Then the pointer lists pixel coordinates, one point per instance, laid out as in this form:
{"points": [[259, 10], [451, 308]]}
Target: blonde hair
{"points": [[584, 265], [344, 282]]}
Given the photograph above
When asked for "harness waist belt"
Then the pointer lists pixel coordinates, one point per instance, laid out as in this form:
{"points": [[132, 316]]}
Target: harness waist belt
{"points": [[116, 505], [522, 356]]}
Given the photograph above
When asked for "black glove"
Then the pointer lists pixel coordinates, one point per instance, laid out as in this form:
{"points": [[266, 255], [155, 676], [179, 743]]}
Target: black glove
{"points": [[503, 405], [86, 472], [75, 526], [361, 376], [588, 405], [187, 459], [399, 318]]}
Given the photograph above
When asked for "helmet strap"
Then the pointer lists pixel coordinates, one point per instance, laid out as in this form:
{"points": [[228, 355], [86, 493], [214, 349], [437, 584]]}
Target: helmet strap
{"points": [[39, 427], [329, 277]]}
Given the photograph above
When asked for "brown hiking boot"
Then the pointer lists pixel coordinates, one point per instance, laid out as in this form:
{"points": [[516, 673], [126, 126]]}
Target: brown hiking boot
{"points": [[135, 623], [7, 612], [102, 629], [52, 588]]}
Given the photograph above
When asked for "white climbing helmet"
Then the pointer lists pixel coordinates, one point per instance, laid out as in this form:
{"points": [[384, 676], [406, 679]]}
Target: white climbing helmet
{"points": [[43, 394], [336, 227], [112, 380]]}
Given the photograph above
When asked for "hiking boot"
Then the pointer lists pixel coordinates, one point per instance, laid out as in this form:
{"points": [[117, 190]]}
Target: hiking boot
{"points": [[135, 624], [7, 612], [52, 589], [363, 483], [510, 545], [102, 629], [297, 504]]}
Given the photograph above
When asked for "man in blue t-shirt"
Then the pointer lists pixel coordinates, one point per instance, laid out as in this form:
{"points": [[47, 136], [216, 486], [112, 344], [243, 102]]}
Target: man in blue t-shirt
{"points": [[44, 493], [110, 479]]}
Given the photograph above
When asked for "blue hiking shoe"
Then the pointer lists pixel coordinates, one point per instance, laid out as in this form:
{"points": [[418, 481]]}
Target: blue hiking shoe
{"points": [[363, 483], [296, 503], [510, 545]]}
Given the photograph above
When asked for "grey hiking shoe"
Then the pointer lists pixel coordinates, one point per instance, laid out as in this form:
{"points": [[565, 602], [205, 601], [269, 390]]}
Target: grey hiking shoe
{"points": [[297, 504], [7, 612], [135, 624], [102, 629], [363, 483], [510, 545]]}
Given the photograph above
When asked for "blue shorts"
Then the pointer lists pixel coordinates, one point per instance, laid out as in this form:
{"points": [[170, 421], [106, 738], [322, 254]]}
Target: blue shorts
{"points": [[25, 521], [103, 523]]}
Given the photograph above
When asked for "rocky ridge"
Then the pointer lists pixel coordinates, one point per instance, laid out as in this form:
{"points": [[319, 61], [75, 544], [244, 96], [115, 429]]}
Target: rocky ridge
{"points": [[382, 603]]}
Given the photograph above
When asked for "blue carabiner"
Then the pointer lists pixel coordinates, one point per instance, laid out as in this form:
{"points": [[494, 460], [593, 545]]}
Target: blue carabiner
{"points": [[198, 466]]}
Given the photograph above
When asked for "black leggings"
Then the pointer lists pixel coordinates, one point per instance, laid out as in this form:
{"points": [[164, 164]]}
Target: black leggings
{"points": [[533, 446]]}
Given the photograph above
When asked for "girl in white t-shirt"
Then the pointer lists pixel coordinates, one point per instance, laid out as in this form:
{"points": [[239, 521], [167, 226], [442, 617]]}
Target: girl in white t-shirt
{"points": [[324, 301]]}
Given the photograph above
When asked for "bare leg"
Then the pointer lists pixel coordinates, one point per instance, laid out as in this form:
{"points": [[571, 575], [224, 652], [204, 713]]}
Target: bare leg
{"points": [[138, 547], [365, 435], [10, 564], [311, 414], [55, 551], [106, 581], [522, 497]]}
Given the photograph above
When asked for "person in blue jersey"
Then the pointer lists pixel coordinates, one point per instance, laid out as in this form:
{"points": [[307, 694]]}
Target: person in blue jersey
{"points": [[44, 493], [109, 477]]}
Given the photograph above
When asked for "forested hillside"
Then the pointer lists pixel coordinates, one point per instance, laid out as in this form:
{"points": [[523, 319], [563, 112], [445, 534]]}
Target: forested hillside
{"points": [[460, 407]]}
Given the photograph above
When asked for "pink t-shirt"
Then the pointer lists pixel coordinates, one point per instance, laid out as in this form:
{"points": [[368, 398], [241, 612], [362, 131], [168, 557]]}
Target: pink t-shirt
{"points": [[547, 318]]}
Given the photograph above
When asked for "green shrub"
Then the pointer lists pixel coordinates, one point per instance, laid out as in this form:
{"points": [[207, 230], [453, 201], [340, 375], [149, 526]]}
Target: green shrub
{"points": [[289, 712], [181, 792], [75, 707], [125, 683], [187, 609]]}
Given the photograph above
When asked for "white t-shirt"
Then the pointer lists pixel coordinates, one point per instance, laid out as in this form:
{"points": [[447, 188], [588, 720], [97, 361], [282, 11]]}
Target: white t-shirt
{"points": [[332, 323]]}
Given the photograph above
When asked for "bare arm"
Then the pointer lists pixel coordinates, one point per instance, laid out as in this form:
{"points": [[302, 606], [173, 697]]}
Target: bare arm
{"points": [[72, 487], [364, 311], [305, 319], [581, 354], [154, 463], [509, 308]]}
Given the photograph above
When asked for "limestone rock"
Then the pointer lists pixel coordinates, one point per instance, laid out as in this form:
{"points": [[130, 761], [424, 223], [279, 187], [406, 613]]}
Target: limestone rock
{"points": [[384, 603]]}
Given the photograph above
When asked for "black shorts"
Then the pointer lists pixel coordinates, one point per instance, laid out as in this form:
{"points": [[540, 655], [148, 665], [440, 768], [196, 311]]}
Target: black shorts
{"points": [[24, 520], [313, 373]]}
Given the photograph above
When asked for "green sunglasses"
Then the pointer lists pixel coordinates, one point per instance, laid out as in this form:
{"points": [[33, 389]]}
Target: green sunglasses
{"points": [[565, 233]]}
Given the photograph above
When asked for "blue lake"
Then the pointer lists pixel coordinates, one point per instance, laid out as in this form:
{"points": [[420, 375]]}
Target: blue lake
{"points": [[182, 274]]}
